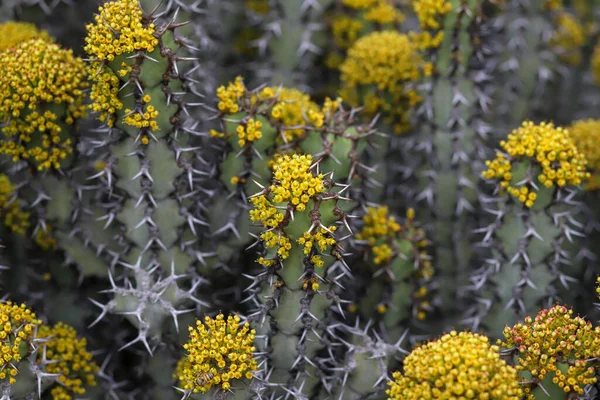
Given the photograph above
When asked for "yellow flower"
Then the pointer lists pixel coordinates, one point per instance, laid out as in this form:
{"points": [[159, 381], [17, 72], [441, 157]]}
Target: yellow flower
{"points": [[568, 39], [458, 365], [45, 77], [14, 33], [430, 12], [118, 29], [596, 64], [14, 218], [17, 327], [229, 96], [68, 356], [377, 73], [552, 340], [218, 352], [551, 149]]}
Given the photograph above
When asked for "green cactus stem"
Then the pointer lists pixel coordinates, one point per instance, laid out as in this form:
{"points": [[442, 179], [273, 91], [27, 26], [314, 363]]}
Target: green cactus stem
{"points": [[532, 259], [141, 92]]}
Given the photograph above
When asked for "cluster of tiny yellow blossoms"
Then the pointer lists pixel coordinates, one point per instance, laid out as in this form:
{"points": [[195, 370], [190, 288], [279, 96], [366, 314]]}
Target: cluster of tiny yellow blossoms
{"points": [[68, 356], [118, 29], [456, 366], [13, 33], [550, 148], [104, 93], [250, 132], [568, 39], [553, 5], [38, 75], [324, 239], [294, 186], [596, 64], [553, 340], [431, 12], [292, 109], [345, 30], [384, 13], [586, 134], [230, 95], [358, 4], [260, 7], [218, 352], [379, 68], [44, 238], [379, 229], [144, 119], [13, 217], [17, 329]]}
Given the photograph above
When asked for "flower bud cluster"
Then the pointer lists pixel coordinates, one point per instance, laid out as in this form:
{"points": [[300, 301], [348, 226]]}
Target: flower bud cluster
{"points": [[558, 344], [17, 331], [219, 351], [294, 186], [13, 33], [41, 94], [550, 149], [457, 366], [67, 356], [378, 73]]}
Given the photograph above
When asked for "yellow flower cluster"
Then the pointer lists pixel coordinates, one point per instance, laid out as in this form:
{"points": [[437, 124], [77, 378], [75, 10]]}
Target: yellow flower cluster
{"points": [[345, 30], [14, 218], [323, 237], [358, 4], [144, 119], [586, 136], [548, 147], [456, 366], [229, 96], [293, 108], [553, 340], [553, 5], [118, 29], [17, 329], [379, 227], [44, 238], [250, 132], [430, 12], [13, 33], [568, 39], [38, 75], [384, 13], [294, 185], [68, 357], [376, 73], [273, 239], [105, 93], [218, 352], [596, 64], [260, 7]]}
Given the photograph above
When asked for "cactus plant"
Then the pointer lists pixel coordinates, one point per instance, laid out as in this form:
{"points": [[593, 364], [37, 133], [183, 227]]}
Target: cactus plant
{"points": [[319, 227]]}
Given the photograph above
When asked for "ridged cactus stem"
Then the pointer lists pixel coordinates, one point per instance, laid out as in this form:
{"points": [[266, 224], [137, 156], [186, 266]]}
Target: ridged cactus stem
{"points": [[532, 261], [291, 37], [526, 64], [452, 142], [141, 91], [363, 367], [396, 276]]}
